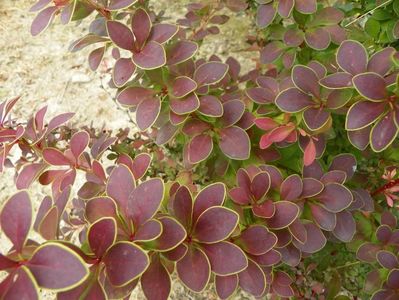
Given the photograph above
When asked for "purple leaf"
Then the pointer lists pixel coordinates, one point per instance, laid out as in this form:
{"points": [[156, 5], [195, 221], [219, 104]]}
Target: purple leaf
{"points": [[162, 33], [323, 218], [306, 6], [265, 15], [173, 234], [232, 112], [152, 56], [352, 57], [120, 184], [286, 213], [210, 106], [155, 281], [48, 226], [337, 80], [182, 86], [16, 219], [260, 185], [234, 143], [271, 52], [67, 12], [291, 188], [211, 195], [120, 35], [225, 258], [252, 279], [123, 71], [97, 208], [124, 262], [120, 4], [79, 142], [22, 285], [371, 86], [335, 197], [363, 113], [215, 224], [55, 157], [181, 52], [134, 95], [256, 240], [141, 27], [181, 206], [195, 259], [141, 164], [199, 148], [185, 105], [293, 37], [318, 39], [316, 118], [101, 235], [147, 113], [39, 5], [210, 73], [360, 138], [315, 241], [149, 231], [145, 200], [380, 62], [95, 58], [293, 100], [285, 7], [344, 162], [346, 227], [43, 20], [383, 133], [54, 273], [29, 174], [226, 285], [306, 80]]}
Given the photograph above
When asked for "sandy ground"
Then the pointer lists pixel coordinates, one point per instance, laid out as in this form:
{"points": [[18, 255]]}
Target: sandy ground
{"points": [[43, 72]]}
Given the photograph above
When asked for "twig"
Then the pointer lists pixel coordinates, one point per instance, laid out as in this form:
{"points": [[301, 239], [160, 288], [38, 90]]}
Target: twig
{"points": [[369, 12], [385, 187]]}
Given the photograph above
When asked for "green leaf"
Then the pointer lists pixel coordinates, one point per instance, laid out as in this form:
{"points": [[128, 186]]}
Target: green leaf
{"points": [[333, 286], [372, 27]]}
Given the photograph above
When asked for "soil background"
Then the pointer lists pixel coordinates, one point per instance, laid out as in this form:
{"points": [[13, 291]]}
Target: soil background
{"points": [[42, 71]]}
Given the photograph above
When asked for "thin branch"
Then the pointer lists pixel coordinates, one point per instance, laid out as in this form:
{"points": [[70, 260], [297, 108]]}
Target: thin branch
{"points": [[369, 12], [385, 187]]}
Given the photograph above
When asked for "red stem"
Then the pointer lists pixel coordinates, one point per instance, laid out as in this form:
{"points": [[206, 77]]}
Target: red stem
{"points": [[385, 187]]}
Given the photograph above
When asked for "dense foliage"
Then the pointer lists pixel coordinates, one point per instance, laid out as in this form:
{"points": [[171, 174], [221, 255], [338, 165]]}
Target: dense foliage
{"points": [[279, 181]]}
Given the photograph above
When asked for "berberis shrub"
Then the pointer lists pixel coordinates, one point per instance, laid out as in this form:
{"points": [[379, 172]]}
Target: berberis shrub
{"points": [[280, 181]]}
